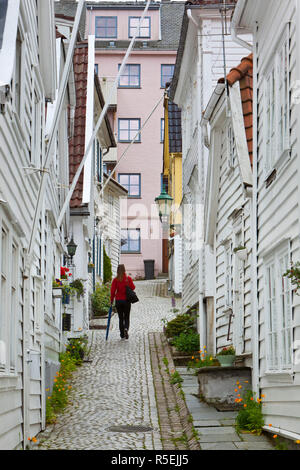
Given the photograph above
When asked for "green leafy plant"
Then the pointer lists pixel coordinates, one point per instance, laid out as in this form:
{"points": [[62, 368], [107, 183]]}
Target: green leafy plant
{"points": [[187, 342], [101, 300], [230, 351], [294, 275], [175, 378], [206, 360], [77, 287], [238, 248], [77, 348], [58, 400], [250, 417], [107, 269], [181, 324]]}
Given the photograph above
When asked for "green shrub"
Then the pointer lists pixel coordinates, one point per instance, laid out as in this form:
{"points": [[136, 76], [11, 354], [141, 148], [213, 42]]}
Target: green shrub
{"points": [[107, 271], [181, 324], [250, 417], [101, 300], [187, 342], [207, 361], [77, 348], [58, 400]]}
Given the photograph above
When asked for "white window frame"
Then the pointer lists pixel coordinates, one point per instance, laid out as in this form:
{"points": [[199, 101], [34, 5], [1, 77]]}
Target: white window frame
{"points": [[277, 97], [282, 362], [228, 275], [9, 304], [231, 147]]}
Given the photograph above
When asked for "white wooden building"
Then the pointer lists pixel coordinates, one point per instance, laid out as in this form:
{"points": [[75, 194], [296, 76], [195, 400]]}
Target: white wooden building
{"points": [[199, 65], [276, 163], [85, 198], [228, 211], [29, 323]]}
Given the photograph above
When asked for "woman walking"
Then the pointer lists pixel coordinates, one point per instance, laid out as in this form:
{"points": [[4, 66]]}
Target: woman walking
{"points": [[118, 292]]}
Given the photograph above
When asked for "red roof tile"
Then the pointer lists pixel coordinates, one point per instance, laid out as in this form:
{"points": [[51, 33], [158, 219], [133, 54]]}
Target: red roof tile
{"points": [[244, 74], [77, 142]]}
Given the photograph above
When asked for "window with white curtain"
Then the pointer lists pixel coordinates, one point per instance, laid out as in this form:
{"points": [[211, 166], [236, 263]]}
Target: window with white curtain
{"points": [[278, 306]]}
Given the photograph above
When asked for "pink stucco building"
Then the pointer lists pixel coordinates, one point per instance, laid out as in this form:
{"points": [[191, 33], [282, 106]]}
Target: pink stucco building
{"points": [[150, 66]]}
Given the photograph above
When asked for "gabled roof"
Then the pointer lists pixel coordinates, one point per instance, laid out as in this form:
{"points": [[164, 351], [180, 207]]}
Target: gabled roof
{"points": [[77, 142]]}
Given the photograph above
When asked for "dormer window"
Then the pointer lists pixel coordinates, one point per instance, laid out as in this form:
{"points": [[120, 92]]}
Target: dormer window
{"points": [[144, 31]]}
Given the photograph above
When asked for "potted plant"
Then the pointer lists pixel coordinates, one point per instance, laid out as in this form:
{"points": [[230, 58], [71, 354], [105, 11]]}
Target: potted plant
{"points": [[91, 267], [226, 356], [57, 289], [77, 288], [241, 252], [294, 275], [65, 274], [66, 293]]}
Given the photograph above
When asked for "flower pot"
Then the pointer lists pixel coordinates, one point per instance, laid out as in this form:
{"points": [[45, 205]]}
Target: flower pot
{"points": [[66, 298], [57, 292], [242, 254], [226, 360]]}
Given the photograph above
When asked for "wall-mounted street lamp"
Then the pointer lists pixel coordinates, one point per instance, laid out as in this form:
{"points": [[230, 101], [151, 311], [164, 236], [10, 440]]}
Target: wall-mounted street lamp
{"points": [[71, 247], [164, 202]]}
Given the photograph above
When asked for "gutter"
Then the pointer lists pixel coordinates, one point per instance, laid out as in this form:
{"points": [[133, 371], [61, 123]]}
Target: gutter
{"points": [[239, 9], [282, 432], [217, 93]]}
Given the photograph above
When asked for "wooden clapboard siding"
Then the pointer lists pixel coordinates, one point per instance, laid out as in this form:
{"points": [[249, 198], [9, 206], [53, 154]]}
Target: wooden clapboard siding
{"points": [[230, 196], [278, 217], [20, 188]]}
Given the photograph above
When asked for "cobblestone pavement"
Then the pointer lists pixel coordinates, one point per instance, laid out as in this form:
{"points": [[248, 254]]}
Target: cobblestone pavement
{"points": [[116, 387]]}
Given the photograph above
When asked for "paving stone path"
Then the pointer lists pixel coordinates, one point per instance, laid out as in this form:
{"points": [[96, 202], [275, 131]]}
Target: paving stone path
{"points": [[116, 388], [123, 399]]}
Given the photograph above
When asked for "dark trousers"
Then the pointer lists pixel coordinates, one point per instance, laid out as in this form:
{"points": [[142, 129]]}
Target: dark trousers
{"points": [[123, 309]]}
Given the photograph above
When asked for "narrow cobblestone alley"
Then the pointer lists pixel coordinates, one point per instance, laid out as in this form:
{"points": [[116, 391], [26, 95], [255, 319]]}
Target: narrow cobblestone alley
{"points": [[116, 388]]}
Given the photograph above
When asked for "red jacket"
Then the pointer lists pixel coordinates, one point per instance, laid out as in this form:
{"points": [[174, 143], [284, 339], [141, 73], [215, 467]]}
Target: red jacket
{"points": [[118, 288]]}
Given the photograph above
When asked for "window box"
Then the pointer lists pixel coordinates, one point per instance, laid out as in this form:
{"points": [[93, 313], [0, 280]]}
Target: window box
{"points": [[57, 292]]}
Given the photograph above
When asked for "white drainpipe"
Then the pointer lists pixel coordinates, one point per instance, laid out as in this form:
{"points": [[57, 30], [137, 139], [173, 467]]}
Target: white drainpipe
{"points": [[237, 14]]}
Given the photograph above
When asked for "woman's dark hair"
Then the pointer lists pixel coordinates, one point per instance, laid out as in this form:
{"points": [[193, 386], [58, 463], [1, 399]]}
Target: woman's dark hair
{"points": [[121, 272]]}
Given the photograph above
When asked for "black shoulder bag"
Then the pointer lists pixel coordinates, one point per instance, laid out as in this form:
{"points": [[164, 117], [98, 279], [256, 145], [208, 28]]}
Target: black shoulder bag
{"points": [[131, 296]]}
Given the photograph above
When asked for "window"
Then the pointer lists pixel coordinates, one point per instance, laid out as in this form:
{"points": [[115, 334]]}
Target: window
{"points": [[97, 69], [106, 27], [278, 307], [98, 255], [167, 72], [18, 77], [276, 91], [9, 296], [131, 241], [144, 31], [128, 128], [98, 162], [228, 272], [162, 130], [231, 158], [131, 76], [132, 182]]}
